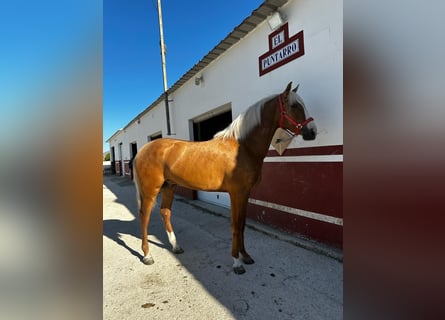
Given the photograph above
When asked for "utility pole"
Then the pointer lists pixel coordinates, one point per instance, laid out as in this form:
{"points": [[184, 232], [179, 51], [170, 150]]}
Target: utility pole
{"points": [[164, 72]]}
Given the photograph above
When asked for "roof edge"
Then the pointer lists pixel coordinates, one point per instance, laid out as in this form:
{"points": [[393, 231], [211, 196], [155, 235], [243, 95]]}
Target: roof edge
{"points": [[249, 24], [114, 134]]}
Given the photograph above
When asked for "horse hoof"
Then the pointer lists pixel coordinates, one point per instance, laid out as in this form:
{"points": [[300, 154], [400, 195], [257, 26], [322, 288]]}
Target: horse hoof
{"points": [[148, 260], [178, 250], [239, 270], [248, 260]]}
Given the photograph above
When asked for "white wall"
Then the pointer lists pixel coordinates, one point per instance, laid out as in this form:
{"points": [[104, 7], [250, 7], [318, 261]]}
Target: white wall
{"points": [[234, 78]]}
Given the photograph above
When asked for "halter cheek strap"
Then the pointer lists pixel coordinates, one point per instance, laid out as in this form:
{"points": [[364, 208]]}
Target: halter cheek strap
{"points": [[285, 115]]}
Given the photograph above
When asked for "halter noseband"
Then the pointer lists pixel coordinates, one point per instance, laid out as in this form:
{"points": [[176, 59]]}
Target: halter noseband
{"points": [[284, 114]]}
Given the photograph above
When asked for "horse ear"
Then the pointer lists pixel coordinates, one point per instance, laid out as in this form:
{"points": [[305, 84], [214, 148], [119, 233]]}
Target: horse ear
{"points": [[286, 91], [295, 90]]}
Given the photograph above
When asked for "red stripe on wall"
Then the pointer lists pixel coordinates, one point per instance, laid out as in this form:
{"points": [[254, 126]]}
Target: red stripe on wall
{"points": [[127, 168], [321, 231], [118, 168], [311, 186], [311, 151]]}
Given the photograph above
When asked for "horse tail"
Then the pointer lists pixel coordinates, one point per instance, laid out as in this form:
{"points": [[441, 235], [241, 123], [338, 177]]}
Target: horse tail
{"points": [[136, 183]]}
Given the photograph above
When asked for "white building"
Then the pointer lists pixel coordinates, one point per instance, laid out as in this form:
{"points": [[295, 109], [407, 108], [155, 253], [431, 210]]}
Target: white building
{"points": [[300, 191]]}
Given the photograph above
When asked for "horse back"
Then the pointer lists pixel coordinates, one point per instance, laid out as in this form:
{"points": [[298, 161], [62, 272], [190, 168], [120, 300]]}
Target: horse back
{"points": [[196, 165]]}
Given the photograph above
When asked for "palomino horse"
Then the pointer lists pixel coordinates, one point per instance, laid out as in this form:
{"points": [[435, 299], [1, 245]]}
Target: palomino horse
{"points": [[230, 162]]}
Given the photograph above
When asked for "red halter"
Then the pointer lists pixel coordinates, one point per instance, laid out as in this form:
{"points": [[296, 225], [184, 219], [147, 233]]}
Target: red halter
{"points": [[284, 114]]}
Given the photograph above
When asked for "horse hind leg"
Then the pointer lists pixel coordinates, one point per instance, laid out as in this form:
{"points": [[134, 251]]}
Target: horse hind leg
{"points": [[146, 200], [168, 191], [144, 216]]}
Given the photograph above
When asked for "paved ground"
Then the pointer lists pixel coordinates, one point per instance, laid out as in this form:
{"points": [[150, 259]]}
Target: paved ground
{"points": [[287, 281]]}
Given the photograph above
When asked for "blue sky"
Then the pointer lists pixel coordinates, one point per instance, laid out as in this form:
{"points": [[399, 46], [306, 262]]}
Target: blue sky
{"points": [[50, 73], [132, 74]]}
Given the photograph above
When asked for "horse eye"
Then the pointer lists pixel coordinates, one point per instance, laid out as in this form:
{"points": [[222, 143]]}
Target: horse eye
{"points": [[295, 106]]}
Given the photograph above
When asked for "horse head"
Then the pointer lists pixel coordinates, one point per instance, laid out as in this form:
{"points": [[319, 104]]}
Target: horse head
{"points": [[294, 115]]}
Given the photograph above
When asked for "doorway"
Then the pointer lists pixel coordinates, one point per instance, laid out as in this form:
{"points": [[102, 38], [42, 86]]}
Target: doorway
{"points": [[113, 161], [154, 136], [133, 152], [205, 129], [133, 149], [121, 161]]}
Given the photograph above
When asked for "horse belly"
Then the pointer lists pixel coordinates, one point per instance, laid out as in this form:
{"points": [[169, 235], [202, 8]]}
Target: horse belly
{"points": [[198, 169]]}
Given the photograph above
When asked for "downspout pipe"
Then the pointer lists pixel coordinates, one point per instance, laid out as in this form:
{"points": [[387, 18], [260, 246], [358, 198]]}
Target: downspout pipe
{"points": [[164, 68]]}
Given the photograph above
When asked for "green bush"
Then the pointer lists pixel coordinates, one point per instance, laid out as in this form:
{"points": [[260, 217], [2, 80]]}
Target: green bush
{"points": [[107, 157]]}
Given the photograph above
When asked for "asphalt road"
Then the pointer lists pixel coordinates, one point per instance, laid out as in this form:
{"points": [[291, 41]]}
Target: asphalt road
{"points": [[287, 281]]}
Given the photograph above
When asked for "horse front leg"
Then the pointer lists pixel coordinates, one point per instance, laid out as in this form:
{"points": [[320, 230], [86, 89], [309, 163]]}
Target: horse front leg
{"points": [[146, 205], [247, 259], [239, 253]]}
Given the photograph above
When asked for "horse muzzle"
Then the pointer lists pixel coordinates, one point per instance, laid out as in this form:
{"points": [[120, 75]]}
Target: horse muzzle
{"points": [[309, 132]]}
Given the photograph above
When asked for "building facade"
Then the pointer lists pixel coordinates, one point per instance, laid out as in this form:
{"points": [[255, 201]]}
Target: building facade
{"points": [[301, 190]]}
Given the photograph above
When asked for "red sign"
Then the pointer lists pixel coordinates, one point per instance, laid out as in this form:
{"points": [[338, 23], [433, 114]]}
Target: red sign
{"points": [[282, 49]]}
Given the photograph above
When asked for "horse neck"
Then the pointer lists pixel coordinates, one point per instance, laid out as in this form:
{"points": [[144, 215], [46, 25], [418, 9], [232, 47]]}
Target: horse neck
{"points": [[259, 139]]}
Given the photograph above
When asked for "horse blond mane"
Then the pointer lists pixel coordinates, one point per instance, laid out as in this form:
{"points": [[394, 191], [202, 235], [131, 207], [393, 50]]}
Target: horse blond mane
{"points": [[244, 123]]}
